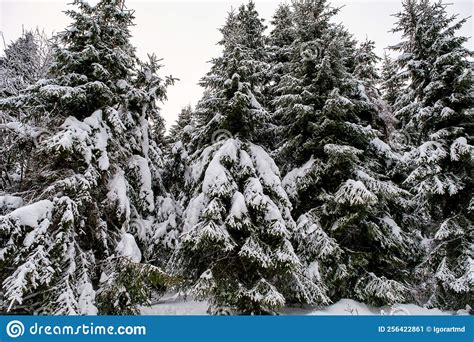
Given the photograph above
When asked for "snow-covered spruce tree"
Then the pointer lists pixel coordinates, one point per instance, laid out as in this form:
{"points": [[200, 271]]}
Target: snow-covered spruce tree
{"points": [[74, 248], [279, 61], [335, 159], [180, 136], [392, 84], [290, 93], [367, 74], [235, 250], [185, 119], [170, 207], [157, 228], [251, 63], [279, 48], [440, 165], [26, 60]]}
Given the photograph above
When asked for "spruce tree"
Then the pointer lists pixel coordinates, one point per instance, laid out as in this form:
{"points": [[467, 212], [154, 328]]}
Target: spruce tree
{"points": [[279, 61], [176, 158], [180, 136], [183, 123], [26, 60], [392, 84], [367, 74], [279, 42], [235, 250], [78, 244], [334, 158], [438, 118]]}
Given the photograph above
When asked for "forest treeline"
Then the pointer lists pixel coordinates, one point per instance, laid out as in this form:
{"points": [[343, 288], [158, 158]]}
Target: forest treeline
{"points": [[311, 169]]}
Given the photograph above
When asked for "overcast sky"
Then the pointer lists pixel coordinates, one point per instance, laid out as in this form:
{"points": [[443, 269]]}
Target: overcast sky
{"points": [[184, 32]]}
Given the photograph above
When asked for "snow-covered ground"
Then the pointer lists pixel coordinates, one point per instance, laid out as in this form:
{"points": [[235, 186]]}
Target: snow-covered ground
{"points": [[173, 304], [176, 305]]}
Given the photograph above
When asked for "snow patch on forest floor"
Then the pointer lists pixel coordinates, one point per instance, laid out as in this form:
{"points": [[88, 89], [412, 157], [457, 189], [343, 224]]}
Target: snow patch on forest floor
{"points": [[173, 304]]}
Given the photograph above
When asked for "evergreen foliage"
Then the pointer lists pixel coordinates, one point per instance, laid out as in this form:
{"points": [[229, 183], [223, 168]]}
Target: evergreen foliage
{"points": [[76, 247], [304, 175], [436, 113], [331, 119], [236, 248]]}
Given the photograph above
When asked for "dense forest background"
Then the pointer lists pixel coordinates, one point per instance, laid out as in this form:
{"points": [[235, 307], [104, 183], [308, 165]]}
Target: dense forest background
{"points": [[311, 170]]}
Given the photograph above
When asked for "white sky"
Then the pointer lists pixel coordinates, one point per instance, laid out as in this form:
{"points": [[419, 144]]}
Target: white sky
{"points": [[184, 32]]}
